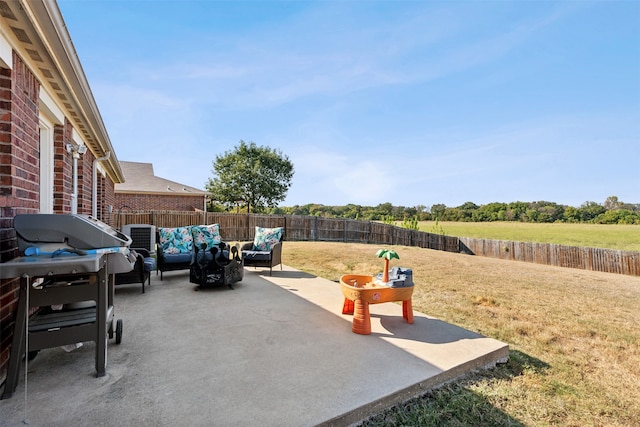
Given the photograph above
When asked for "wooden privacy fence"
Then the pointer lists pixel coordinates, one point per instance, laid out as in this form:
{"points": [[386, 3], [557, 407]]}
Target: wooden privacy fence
{"points": [[241, 227], [595, 259]]}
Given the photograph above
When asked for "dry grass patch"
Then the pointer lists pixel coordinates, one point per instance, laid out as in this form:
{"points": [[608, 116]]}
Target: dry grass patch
{"points": [[575, 334]]}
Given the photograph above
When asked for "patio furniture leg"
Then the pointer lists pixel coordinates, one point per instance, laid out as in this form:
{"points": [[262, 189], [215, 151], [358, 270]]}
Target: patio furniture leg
{"points": [[407, 311], [361, 320], [347, 307], [101, 319], [18, 344]]}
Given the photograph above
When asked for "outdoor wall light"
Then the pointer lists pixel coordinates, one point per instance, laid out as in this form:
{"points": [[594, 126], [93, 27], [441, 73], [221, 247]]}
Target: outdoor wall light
{"points": [[76, 149]]}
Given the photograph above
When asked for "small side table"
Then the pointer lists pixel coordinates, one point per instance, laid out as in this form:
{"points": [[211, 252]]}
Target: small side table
{"points": [[358, 296]]}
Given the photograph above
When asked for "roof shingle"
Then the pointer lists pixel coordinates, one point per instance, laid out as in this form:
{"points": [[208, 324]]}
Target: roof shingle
{"points": [[139, 178]]}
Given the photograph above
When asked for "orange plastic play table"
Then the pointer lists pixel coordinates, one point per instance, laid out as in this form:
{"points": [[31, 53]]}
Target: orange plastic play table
{"points": [[359, 291]]}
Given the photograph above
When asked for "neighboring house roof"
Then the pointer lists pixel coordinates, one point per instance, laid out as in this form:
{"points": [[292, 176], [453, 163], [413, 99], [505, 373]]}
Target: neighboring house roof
{"points": [[139, 178]]}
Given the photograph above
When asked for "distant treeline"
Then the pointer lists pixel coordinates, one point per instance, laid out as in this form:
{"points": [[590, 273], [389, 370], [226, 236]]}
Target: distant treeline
{"points": [[612, 211]]}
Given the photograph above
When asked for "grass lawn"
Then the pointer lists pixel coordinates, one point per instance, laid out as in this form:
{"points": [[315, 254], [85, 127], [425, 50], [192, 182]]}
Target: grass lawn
{"points": [[623, 237], [574, 336]]}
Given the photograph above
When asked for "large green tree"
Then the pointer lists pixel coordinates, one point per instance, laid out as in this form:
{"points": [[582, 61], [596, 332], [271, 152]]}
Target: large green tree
{"points": [[253, 176]]}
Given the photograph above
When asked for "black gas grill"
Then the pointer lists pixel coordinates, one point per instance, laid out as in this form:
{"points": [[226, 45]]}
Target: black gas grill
{"points": [[65, 272]]}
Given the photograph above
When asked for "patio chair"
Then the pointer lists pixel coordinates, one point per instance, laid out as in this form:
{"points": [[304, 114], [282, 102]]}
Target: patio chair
{"points": [[265, 250], [141, 272], [175, 249]]}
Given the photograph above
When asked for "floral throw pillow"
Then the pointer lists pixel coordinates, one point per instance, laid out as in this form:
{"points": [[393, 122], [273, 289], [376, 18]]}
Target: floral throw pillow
{"points": [[209, 234], [176, 240], [266, 238]]}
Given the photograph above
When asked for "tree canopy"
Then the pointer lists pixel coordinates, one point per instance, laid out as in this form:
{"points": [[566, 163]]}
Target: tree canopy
{"points": [[613, 211], [250, 175]]}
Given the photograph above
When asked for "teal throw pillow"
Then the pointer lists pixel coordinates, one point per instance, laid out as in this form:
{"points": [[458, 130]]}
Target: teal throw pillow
{"points": [[209, 234], [176, 240], [266, 238]]}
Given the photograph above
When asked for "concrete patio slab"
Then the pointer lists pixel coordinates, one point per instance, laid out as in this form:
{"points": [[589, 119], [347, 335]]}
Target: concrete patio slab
{"points": [[276, 351]]}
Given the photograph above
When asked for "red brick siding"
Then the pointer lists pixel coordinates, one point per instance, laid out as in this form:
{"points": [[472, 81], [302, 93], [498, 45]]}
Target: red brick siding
{"points": [[19, 160], [19, 178], [5, 133], [109, 200], [20, 182], [84, 183], [102, 211], [158, 202], [62, 169], [8, 245], [106, 199]]}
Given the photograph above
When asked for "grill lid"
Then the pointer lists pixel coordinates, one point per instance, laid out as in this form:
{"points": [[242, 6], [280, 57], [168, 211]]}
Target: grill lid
{"points": [[75, 230]]}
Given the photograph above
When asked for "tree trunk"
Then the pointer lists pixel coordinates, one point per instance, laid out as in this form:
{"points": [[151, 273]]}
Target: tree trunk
{"points": [[385, 273]]}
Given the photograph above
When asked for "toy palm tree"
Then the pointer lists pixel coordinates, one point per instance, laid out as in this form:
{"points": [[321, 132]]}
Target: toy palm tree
{"points": [[388, 255]]}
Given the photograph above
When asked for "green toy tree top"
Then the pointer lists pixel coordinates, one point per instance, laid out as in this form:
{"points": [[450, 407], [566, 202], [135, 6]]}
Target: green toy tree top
{"points": [[388, 255]]}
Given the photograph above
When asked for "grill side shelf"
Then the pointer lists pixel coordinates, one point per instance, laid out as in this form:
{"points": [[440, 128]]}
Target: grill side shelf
{"points": [[50, 320]]}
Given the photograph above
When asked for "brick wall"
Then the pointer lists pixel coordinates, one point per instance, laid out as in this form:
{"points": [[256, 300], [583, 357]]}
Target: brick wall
{"points": [[19, 178], [102, 211], [85, 187], [19, 161], [158, 202], [106, 200], [62, 169], [5, 135], [109, 200], [105, 195]]}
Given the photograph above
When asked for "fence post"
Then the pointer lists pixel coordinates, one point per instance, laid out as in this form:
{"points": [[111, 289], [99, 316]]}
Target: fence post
{"points": [[344, 230], [314, 230]]}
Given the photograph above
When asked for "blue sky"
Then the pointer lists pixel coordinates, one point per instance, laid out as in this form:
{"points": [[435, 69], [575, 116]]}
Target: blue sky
{"points": [[407, 102]]}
